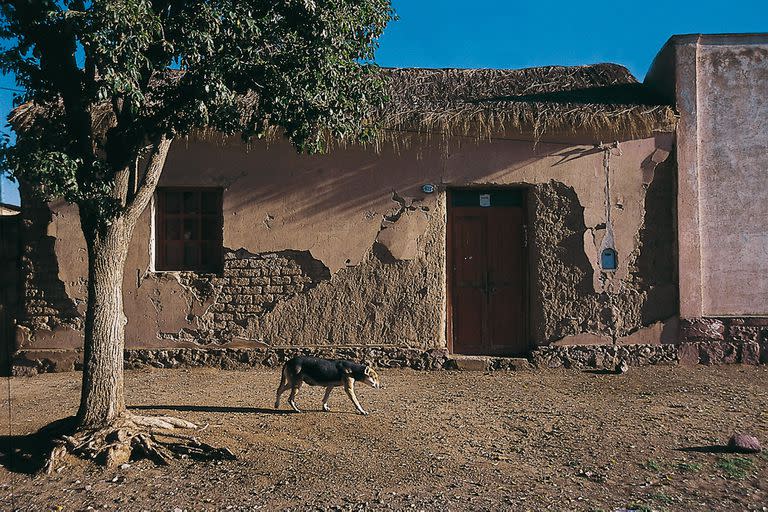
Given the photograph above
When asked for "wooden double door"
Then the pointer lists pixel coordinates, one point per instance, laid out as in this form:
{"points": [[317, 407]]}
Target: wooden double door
{"points": [[487, 270]]}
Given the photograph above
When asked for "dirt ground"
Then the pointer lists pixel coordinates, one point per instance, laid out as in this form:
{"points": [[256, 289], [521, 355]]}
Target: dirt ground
{"points": [[539, 440]]}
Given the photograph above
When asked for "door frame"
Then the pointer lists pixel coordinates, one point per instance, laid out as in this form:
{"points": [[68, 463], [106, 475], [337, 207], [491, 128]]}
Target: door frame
{"points": [[449, 262]]}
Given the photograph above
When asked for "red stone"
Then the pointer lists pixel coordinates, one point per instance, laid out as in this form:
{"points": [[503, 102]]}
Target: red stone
{"points": [[750, 353], [743, 443], [711, 353], [743, 333], [701, 329]]}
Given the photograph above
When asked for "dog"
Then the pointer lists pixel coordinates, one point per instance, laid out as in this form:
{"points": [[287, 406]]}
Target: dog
{"points": [[324, 372]]}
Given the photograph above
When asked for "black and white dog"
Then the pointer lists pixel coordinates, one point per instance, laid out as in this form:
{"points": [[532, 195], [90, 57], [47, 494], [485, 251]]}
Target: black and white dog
{"points": [[324, 372]]}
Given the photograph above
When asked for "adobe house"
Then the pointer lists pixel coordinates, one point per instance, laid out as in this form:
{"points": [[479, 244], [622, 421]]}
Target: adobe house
{"points": [[502, 213], [9, 209]]}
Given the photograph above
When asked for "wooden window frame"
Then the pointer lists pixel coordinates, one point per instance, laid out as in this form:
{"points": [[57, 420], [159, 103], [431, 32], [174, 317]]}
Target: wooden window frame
{"points": [[193, 247]]}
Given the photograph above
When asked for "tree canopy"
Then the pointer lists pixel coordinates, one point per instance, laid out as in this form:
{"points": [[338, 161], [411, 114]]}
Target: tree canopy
{"points": [[124, 74]]}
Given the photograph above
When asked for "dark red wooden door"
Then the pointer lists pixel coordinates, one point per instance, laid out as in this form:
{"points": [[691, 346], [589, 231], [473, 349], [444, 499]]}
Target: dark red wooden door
{"points": [[487, 272]]}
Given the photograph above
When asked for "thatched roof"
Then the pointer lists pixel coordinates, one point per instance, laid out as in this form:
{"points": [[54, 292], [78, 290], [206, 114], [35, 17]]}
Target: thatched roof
{"points": [[602, 101]]}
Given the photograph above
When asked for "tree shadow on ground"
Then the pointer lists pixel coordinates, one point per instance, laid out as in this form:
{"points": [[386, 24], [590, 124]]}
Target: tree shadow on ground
{"points": [[28, 453], [235, 410], [209, 408], [601, 372]]}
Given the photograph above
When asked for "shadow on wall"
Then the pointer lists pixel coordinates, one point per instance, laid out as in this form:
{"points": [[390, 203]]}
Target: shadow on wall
{"points": [[349, 179], [355, 187], [657, 262], [10, 286]]}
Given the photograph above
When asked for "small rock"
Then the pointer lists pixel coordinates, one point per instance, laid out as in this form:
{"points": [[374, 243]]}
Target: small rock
{"points": [[125, 466], [622, 366], [743, 443]]}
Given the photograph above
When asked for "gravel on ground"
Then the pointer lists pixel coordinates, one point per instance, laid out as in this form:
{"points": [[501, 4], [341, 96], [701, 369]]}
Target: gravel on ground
{"points": [[650, 439]]}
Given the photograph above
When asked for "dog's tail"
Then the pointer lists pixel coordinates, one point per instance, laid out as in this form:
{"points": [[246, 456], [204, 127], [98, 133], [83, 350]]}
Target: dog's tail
{"points": [[283, 385]]}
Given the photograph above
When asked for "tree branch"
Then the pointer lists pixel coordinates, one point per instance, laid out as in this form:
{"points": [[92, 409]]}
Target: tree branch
{"points": [[121, 190], [146, 188]]}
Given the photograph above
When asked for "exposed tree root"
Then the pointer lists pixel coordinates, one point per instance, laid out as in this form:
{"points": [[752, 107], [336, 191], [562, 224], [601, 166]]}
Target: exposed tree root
{"points": [[133, 437]]}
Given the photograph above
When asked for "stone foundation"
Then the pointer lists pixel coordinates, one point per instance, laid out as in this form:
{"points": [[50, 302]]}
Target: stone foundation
{"points": [[603, 357], [26, 363], [230, 359], [579, 357], [724, 340], [31, 362]]}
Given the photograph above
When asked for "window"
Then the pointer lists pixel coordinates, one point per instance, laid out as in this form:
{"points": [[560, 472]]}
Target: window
{"points": [[188, 229]]}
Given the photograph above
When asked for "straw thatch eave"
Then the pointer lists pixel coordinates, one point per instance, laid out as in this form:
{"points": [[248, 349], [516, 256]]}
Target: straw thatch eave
{"points": [[600, 102]]}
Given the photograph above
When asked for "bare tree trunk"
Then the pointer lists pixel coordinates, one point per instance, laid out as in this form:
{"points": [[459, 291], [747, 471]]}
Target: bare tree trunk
{"points": [[102, 400], [105, 430]]}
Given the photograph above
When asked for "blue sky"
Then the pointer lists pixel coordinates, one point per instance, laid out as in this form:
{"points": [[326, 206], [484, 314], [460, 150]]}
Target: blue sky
{"points": [[510, 34]]}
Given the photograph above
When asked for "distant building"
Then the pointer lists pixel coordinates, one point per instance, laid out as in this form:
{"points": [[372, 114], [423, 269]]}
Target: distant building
{"points": [[9, 209]]}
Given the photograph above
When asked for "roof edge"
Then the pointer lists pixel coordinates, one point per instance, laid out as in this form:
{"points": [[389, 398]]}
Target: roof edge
{"points": [[662, 75], [9, 206], [723, 38], [486, 68]]}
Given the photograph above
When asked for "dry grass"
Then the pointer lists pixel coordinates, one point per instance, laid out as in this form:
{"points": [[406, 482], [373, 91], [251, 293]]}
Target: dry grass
{"points": [[601, 100]]}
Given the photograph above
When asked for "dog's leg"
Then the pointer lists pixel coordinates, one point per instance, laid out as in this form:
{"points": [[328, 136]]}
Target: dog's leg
{"points": [[349, 387], [294, 391], [284, 385], [326, 397]]}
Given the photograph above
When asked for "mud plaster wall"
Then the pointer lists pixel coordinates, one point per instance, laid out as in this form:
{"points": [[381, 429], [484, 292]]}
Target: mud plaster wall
{"points": [[572, 303], [345, 249], [721, 89], [733, 108], [52, 313]]}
